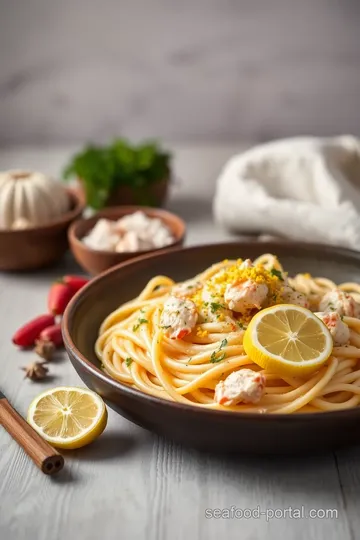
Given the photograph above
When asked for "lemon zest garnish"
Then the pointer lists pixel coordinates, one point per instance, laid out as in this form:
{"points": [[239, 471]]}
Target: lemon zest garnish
{"points": [[200, 332], [234, 274]]}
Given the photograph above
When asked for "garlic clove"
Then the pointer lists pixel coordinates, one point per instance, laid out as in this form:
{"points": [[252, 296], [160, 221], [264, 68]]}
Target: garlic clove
{"points": [[32, 196]]}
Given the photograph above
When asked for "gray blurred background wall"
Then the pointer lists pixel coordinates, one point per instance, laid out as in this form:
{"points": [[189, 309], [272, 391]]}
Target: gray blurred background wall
{"points": [[213, 70]]}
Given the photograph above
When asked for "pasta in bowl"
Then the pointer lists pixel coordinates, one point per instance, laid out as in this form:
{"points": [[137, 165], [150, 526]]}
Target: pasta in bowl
{"points": [[120, 301], [185, 341]]}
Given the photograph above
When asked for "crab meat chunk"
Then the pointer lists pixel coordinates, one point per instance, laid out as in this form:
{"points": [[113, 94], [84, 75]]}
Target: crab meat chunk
{"points": [[338, 329], [246, 295], [340, 302], [179, 317], [131, 242], [102, 236], [290, 296], [243, 386], [213, 307]]}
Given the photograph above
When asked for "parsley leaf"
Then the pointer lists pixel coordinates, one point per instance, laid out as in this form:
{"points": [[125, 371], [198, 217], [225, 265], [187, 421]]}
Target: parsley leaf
{"points": [[215, 359], [103, 169], [276, 273], [128, 361], [214, 306], [215, 356], [223, 344], [140, 321]]}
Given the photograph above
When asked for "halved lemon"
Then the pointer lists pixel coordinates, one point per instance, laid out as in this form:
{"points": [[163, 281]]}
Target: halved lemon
{"points": [[288, 340], [68, 417]]}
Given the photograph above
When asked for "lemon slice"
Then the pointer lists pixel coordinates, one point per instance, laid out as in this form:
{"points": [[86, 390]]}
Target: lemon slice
{"points": [[68, 417], [288, 340]]}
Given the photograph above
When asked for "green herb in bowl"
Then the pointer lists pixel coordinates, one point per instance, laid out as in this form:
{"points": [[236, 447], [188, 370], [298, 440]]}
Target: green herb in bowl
{"points": [[121, 173]]}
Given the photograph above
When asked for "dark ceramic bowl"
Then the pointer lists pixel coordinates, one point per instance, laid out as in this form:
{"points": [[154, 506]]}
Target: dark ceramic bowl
{"points": [[36, 247], [209, 430], [94, 261]]}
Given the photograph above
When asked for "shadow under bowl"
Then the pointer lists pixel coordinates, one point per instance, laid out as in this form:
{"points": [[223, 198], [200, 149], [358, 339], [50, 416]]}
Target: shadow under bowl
{"points": [[94, 261], [199, 427]]}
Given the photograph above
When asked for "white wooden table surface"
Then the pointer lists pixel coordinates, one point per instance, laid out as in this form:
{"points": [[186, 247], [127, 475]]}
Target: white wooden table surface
{"points": [[131, 484]]}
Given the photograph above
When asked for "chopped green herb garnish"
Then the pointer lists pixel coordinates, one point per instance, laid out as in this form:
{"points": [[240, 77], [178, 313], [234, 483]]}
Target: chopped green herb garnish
{"points": [[214, 306], [240, 325], [276, 273], [140, 321], [165, 327], [215, 359], [128, 361], [215, 356]]}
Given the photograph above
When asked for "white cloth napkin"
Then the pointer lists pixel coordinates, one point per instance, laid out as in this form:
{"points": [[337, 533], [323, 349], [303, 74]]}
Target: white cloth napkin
{"points": [[303, 189]]}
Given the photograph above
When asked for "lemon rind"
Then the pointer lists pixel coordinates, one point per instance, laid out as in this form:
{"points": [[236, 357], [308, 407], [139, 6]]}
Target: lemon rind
{"points": [[320, 360], [66, 440]]}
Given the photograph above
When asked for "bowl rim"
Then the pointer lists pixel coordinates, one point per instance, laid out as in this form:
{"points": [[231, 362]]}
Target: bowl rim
{"points": [[61, 220], [115, 385], [128, 209]]}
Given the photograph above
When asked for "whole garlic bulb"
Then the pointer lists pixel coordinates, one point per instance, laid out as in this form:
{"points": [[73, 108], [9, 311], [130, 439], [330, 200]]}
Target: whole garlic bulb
{"points": [[30, 197]]}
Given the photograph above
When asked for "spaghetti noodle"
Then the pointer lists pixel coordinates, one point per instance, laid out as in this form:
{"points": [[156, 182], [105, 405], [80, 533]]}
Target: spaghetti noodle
{"points": [[135, 348]]}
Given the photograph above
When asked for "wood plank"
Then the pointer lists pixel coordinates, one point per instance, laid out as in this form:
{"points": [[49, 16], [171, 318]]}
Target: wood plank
{"points": [[348, 466], [131, 484]]}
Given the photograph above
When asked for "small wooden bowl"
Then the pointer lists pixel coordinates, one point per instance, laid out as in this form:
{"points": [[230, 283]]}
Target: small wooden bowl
{"points": [[155, 193], [36, 247], [94, 261]]}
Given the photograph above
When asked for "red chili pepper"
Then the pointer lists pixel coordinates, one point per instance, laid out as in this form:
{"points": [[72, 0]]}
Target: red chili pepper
{"points": [[27, 334], [53, 333], [76, 282], [60, 295]]}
